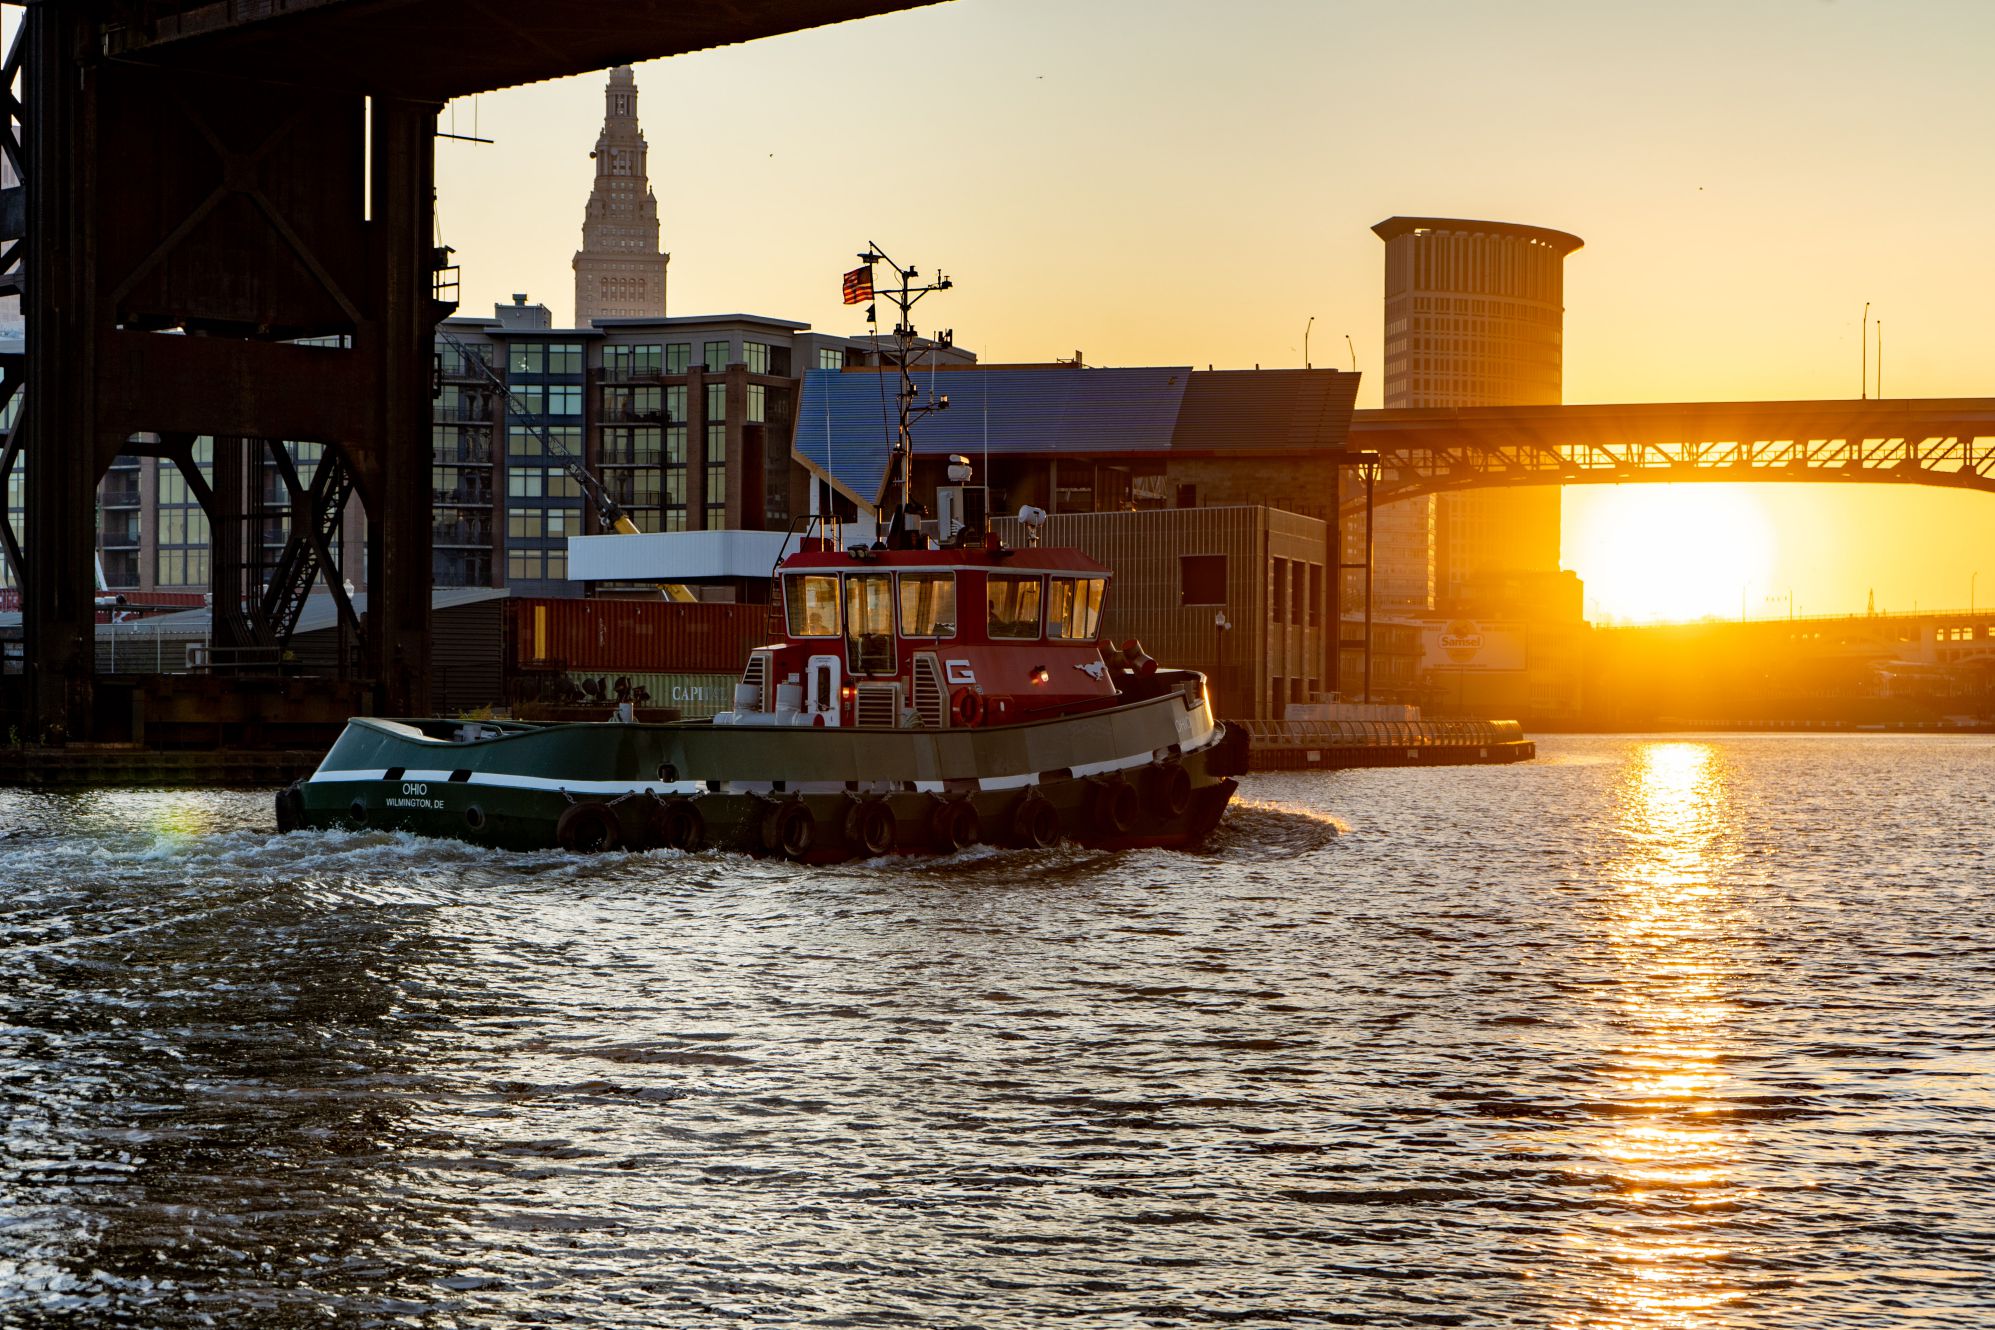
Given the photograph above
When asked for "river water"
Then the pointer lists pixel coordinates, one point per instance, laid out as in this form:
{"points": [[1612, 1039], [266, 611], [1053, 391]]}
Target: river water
{"points": [[1650, 1032]]}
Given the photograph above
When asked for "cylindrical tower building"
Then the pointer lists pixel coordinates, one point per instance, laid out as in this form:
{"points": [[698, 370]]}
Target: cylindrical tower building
{"points": [[1474, 316]]}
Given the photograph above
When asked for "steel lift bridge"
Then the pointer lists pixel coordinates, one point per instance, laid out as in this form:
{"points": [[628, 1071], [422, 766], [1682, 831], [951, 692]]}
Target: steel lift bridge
{"points": [[1403, 453], [226, 228]]}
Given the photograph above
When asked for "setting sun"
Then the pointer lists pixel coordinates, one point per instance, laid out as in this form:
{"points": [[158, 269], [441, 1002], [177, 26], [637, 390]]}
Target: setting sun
{"points": [[1658, 553]]}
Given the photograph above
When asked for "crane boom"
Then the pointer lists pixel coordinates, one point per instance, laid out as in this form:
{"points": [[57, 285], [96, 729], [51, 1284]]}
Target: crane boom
{"points": [[608, 511]]}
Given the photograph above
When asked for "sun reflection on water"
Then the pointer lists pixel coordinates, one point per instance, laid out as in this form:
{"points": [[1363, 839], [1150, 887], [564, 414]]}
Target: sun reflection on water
{"points": [[1665, 1148]]}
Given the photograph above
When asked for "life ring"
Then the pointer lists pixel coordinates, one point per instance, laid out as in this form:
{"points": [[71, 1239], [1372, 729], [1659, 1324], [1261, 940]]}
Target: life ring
{"points": [[789, 829], [955, 825], [871, 826], [967, 706], [678, 824], [1170, 790], [1036, 823], [1115, 804], [357, 812], [474, 818], [587, 828]]}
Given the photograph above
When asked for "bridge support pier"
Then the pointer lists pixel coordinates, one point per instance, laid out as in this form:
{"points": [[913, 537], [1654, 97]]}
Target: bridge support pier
{"points": [[225, 257]]}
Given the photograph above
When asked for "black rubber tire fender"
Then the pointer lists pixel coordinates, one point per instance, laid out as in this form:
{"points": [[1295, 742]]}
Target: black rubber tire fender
{"points": [[955, 825], [871, 826], [1036, 823], [1170, 791], [678, 824], [1116, 806], [588, 828], [789, 829]]}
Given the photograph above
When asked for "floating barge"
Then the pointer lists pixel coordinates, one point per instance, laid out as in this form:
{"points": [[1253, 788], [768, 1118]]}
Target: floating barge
{"points": [[1337, 745]]}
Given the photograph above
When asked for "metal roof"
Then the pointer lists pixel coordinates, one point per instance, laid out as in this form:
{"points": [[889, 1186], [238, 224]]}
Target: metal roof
{"points": [[845, 420], [1262, 411]]}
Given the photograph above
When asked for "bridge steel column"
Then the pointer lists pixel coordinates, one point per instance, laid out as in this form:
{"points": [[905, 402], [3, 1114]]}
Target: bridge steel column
{"points": [[60, 417], [395, 474], [201, 229]]}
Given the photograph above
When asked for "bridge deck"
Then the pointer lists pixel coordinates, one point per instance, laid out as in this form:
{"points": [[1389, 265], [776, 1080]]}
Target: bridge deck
{"points": [[1947, 442], [432, 50]]}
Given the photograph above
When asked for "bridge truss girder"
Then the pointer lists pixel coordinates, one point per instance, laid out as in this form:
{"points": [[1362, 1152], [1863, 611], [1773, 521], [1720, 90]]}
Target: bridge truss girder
{"points": [[1439, 452]]}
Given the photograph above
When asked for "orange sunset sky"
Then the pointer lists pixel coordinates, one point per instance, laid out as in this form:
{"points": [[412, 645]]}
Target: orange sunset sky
{"points": [[1172, 183]]}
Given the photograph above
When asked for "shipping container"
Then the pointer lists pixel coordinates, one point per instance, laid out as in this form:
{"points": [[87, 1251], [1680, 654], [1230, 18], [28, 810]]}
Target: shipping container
{"points": [[633, 635], [694, 696]]}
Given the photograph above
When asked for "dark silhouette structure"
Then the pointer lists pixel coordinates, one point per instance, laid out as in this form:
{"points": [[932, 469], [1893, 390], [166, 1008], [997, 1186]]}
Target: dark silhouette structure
{"points": [[1947, 442], [208, 186]]}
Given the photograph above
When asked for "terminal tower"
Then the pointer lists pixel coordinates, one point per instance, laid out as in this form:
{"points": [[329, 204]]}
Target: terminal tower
{"points": [[620, 270]]}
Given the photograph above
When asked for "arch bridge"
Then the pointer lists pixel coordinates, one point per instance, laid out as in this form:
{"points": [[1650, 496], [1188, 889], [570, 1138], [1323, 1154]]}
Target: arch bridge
{"points": [[1948, 442]]}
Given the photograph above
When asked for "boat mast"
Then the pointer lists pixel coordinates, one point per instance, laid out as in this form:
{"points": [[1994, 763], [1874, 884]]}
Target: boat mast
{"points": [[900, 470]]}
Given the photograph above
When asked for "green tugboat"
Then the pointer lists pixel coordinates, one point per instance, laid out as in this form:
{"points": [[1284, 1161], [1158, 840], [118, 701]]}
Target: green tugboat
{"points": [[928, 691]]}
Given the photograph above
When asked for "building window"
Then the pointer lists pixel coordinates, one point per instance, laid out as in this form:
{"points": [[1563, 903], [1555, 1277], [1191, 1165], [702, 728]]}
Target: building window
{"points": [[758, 404], [678, 357], [830, 358], [537, 565], [181, 555], [672, 477], [756, 354], [564, 399], [628, 362], [641, 403], [564, 358], [715, 355], [716, 477], [464, 362], [536, 442], [1202, 579], [631, 447], [527, 358]]}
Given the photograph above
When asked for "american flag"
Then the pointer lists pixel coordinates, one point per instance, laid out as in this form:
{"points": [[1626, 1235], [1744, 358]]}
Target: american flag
{"points": [[858, 286]]}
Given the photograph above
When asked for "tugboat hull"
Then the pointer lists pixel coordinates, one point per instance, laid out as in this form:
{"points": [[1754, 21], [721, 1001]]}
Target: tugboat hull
{"points": [[1156, 772]]}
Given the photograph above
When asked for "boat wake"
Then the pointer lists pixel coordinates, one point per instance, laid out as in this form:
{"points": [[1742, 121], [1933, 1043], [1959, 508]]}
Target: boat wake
{"points": [[1255, 829]]}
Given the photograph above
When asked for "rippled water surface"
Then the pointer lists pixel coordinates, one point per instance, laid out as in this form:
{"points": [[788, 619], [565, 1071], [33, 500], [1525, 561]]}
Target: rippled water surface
{"points": [[1684, 1032]]}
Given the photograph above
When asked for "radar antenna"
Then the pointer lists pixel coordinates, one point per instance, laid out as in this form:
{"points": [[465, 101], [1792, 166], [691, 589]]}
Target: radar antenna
{"points": [[905, 525]]}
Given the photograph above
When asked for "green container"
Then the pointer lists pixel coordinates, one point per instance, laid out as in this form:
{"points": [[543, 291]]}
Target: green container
{"points": [[694, 696]]}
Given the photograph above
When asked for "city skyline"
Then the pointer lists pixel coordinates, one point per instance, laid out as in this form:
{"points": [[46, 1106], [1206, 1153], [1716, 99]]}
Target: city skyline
{"points": [[1730, 245]]}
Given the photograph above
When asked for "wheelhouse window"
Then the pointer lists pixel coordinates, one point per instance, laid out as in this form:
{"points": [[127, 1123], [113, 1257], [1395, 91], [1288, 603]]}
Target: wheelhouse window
{"points": [[928, 604], [1073, 607], [869, 623], [1014, 605], [813, 605]]}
